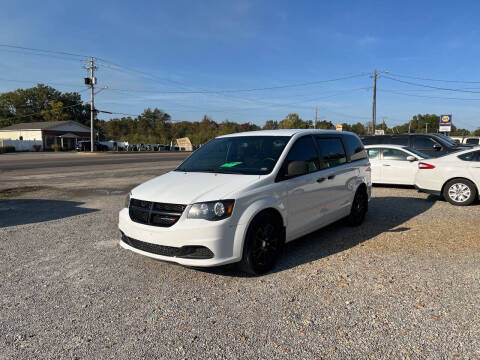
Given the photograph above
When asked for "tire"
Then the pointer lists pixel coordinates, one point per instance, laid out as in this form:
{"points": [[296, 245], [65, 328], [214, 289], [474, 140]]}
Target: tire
{"points": [[359, 207], [460, 192], [263, 244]]}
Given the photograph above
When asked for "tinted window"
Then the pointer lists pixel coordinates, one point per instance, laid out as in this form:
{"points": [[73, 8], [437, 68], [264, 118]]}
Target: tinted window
{"points": [[373, 153], [470, 156], [304, 150], [472, 141], [354, 147], [423, 142], [399, 140], [394, 154], [254, 155], [333, 153]]}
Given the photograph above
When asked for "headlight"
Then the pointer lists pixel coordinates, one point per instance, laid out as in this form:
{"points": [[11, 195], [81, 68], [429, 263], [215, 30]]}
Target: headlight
{"points": [[127, 200], [212, 210]]}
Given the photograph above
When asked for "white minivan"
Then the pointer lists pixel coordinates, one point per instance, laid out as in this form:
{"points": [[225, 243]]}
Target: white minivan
{"points": [[240, 197]]}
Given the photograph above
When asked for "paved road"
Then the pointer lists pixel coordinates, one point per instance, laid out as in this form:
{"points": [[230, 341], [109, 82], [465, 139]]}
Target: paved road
{"points": [[18, 161]]}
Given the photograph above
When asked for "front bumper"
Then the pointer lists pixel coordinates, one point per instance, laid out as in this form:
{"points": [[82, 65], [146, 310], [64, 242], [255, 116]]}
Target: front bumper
{"points": [[175, 243]]}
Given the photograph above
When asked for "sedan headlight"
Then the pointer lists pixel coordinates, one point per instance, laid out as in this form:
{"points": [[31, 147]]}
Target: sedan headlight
{"points": [[127, 200], [212, 210]]}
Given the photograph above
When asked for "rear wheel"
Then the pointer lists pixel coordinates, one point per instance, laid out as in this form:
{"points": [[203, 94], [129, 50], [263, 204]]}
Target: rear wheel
{"points": [[263, 244], [460, 192], [359, 207]]}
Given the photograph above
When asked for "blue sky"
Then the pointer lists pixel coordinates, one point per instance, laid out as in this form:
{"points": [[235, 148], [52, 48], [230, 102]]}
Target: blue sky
{"points": [[243, 44]]}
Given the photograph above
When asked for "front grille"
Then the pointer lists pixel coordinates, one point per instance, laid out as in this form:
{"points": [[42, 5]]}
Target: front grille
{"points": [[189, 252], [156, 214], [151, 248]]}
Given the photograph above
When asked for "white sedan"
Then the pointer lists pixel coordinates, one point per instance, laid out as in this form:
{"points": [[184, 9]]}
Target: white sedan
{"points": [[393, 164], [455, 176]]}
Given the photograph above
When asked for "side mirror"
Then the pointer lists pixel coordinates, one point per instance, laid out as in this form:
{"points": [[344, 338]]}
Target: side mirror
{"points": [[437, 147], [297, 168], [411, 158]]}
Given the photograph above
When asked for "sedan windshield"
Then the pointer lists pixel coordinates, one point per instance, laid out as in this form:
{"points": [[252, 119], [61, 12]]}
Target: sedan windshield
{"points": [[251, 155]]}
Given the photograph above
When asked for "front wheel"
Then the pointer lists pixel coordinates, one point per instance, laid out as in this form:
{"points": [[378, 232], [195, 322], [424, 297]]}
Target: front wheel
{"points": [[460, 192], [263, 244], [359, 207]]}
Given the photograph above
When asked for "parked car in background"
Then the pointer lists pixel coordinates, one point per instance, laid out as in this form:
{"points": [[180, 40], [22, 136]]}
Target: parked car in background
{"points": [[472, 141], [433, 145], [85, 146], [240, 197], [456, 177], [393, 164]]}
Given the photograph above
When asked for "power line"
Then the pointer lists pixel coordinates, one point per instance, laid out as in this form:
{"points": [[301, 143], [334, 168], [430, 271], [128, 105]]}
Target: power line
{"points": [[43, 50], [39, 113], [437, 80], [430, 86], [428, 96]]}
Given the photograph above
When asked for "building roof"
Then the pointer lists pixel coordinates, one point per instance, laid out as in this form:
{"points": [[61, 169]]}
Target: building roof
{"points": [[41, 125], [283, 132]]}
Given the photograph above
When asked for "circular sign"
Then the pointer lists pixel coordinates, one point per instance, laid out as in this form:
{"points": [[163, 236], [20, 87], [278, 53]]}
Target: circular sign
{"points": [[445, 119]]}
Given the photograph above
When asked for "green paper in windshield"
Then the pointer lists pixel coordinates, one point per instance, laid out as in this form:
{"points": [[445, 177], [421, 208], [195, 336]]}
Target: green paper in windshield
{"points": [[231, 164]]}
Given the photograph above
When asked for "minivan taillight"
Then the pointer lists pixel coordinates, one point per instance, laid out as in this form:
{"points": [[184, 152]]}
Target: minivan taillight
{"points": [[423, 166]]}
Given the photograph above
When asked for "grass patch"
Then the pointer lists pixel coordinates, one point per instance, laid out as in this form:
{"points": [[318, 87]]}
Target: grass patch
{"points": [[14, 192]]}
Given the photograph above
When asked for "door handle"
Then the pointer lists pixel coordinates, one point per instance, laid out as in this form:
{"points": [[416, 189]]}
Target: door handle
{"points": [[331, 177], [320, 180], [385, 165]]}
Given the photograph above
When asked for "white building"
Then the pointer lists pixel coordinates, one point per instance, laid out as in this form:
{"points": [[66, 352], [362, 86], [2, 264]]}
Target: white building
{"points": [[61, 133]]}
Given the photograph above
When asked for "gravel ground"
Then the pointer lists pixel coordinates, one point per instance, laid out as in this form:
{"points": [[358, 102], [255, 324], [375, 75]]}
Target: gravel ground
{"points": [[406, 284]]}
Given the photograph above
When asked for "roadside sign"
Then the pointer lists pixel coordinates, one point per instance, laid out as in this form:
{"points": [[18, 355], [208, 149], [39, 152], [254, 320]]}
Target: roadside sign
{"points": [[339, 127], [445, 123], [379, 132]]}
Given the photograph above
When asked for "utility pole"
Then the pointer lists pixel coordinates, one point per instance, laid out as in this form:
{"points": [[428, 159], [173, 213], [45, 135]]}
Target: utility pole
{"points": [[315, 125], [374, 102], [91, 81], [426, 128]]}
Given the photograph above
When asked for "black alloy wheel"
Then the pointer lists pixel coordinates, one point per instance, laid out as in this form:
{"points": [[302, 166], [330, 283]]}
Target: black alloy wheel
{"points": [[263, 244], [359, 208]]}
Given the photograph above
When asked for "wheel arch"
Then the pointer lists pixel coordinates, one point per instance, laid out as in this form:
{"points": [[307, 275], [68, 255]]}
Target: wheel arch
{"points": [[459, 178], [254, 210]]}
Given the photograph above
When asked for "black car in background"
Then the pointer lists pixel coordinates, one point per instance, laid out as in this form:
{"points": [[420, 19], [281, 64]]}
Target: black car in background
{"points": [[85, 146], [431, 144]]}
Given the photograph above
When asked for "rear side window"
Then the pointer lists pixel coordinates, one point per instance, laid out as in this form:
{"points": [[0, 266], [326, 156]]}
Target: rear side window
{"points": [[472, 141], [423, 142], [399, 140], [354, 148], [304, 150], [333, 153], [394, 154], [373, 153], [470, 156]]}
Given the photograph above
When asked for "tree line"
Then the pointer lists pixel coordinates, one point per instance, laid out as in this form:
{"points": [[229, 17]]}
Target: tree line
{"points": [[44, 103]]}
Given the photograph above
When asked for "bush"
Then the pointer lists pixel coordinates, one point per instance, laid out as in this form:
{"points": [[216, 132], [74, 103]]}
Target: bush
{"points": [[7, 149], [37, 147], [57, 148]]}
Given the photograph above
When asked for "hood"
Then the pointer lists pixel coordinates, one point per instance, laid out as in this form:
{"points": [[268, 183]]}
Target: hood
{"points": [[177, 187]]}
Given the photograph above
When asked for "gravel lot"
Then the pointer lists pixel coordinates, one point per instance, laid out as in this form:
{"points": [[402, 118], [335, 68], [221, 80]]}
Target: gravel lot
{"points": [[406, 284]]}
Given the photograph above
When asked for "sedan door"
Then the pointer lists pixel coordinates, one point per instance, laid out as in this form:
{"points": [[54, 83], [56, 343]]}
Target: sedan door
{"points": [[396, 169], [475, 168]]}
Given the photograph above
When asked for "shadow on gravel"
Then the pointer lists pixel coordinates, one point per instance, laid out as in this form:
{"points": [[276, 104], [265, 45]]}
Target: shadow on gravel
{"points": [[28, 211], [385, 214]]}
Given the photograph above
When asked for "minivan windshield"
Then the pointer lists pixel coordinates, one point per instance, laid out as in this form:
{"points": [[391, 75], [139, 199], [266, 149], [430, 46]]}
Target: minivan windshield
{"points": [[249, 155], [448, 140]]}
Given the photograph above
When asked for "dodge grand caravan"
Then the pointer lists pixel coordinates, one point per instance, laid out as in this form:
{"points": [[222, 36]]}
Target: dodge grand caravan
{"points": [[240, 197]]}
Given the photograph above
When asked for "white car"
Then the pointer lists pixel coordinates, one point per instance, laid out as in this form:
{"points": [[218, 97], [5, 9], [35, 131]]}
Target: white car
{"points": [[240, 197], [456, 177], [394, 164]]}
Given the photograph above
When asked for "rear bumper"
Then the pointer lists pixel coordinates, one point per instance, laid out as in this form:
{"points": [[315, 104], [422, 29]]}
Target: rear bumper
{"points": [[428, 191]]}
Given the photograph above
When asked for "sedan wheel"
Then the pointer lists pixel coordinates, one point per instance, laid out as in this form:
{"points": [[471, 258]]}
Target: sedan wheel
{"points": [[460, 192]]}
